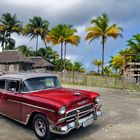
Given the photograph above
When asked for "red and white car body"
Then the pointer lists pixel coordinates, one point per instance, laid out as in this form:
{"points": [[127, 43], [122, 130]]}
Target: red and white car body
{"points": [[26, 95]]}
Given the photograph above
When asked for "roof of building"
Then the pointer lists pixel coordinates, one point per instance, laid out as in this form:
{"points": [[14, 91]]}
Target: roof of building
{"points": [[24, 76], [13, 56], [39, 62]]}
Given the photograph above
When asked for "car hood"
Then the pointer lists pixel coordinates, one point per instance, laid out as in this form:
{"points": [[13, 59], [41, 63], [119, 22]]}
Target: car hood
{"points": [[64, 96]]}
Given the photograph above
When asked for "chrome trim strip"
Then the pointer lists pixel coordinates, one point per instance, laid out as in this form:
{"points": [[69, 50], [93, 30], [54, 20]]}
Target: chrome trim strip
{"points": [[70, 120], [25, 123], [90, 110], [30, 105], [79, 108], [85, 113]]}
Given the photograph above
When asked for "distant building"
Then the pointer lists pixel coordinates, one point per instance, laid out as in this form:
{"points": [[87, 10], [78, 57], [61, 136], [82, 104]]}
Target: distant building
{"points": [[41, 65], [14, 61], [132, 71]]}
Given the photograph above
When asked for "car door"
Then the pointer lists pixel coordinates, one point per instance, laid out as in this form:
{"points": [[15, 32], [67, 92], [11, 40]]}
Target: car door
{"points": [[11, 99], [2, 89]]}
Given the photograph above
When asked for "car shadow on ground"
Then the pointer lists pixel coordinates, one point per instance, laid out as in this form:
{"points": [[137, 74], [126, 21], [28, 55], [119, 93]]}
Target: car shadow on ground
{"points": [[74, 134]]}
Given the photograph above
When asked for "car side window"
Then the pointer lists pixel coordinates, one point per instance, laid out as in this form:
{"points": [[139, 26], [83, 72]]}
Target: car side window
{"points": [[2, 84], [24, 88], [13, 86]]}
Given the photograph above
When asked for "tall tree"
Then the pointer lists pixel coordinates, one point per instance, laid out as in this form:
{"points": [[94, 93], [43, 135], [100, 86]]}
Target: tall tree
{"points": [[64, 34], [97, 63], [8, 25], [57, 36], [37, 27], [102, 29], [72, 39]]}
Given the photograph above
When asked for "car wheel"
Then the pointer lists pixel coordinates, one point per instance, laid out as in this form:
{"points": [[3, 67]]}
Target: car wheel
{"points": [[41, 127]]}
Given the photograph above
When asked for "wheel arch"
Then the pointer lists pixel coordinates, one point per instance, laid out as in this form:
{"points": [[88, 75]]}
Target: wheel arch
{"points": [[33, 114]]}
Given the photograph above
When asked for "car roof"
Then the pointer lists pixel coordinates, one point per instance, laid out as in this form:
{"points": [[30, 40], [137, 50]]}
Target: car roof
{"points": [[24, 76]]}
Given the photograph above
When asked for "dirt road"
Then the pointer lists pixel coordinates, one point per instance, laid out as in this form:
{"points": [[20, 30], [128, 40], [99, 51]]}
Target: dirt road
{"points": [[120, 120]]}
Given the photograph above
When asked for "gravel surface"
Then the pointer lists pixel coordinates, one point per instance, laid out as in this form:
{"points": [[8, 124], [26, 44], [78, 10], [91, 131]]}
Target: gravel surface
{"points": [[120, 120]]}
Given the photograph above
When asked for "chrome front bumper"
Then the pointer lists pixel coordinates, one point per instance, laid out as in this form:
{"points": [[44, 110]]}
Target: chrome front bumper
{"points": [[77, 124]]}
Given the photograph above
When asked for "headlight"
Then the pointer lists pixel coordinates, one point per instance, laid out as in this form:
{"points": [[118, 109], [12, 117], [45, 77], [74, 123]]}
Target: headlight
{"points": [[62, 110], [97, 99]]}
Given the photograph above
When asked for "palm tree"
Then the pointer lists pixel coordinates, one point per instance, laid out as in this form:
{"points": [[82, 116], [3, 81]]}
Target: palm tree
{"points": [[8, 25], [25, 50], [63, 34], [134, 44], [37, 27], [72, 39], [77, 66], [107, 71], [48, 54], [97, 63], [102, 29], [57, 36], [68, 65]]}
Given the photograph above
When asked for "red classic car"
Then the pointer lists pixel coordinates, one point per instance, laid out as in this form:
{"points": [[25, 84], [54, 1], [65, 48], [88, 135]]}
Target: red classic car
{"points": [[38, 98]]}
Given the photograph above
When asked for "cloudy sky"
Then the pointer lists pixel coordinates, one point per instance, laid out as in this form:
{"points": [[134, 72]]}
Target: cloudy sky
{"points": [[79, 13]]}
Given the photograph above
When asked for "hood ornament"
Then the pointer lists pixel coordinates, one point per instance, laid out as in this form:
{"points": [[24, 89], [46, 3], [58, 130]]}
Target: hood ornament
{"points": [[77, 93]]}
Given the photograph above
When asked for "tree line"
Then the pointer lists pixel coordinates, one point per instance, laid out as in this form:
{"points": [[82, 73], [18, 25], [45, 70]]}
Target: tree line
{"points": [[62, 35]]}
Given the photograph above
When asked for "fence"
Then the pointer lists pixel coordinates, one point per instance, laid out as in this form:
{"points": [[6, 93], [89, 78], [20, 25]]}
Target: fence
{"points": [[97, 81]]}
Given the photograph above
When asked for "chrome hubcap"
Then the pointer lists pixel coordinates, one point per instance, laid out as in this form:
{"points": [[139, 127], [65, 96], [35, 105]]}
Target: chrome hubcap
{"points": [[40, 127]]}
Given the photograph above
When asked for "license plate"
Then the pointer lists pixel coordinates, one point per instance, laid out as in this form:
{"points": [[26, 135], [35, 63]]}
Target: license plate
{"points": [[87, 122]]}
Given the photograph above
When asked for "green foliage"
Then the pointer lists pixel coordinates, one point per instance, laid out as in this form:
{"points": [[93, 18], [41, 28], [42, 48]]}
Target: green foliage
{"points": [[37, 27], [8, 25], [27, 51], [107, 71], [97, 63], [77, 66], [134, 44], [48, 54], [63, 34]]}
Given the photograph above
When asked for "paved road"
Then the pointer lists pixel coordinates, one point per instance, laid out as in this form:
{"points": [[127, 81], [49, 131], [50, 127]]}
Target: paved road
{"points": [[120, 120]]}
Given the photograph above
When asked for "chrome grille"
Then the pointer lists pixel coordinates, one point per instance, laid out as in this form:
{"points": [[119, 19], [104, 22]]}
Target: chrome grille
{"points": [[81, 109]]}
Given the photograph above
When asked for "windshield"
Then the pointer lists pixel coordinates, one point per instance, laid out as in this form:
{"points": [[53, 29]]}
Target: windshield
{"points": [[41, 83]]}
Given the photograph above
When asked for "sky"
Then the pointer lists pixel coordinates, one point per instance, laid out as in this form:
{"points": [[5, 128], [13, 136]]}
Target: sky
{"points": [[79, 13]]}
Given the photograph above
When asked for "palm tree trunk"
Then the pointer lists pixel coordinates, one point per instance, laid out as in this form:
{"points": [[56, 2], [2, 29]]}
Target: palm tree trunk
{"points": [[36, 51], [98, 70], [2, 45], [62, 56], [36, 43], [45, 43], [61, 51], [103, 47], [65, 51]]}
